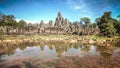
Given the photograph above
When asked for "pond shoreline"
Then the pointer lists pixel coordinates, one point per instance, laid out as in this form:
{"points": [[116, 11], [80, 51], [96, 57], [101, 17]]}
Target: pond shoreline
{"points": [[59, 38]]}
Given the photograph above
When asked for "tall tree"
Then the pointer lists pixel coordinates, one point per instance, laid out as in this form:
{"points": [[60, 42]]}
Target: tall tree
{"points": [[7, 20], [21, 23], [106, 25], [87, 23], [86, 20], [117, 26], [2, 19], [10, 20]]}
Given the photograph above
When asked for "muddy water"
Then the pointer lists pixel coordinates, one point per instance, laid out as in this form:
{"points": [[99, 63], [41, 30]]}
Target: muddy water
{"points": [[56, 50]]}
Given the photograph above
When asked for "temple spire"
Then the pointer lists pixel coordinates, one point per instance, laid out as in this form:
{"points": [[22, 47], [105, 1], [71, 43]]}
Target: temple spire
{"points": [[59, 14]]}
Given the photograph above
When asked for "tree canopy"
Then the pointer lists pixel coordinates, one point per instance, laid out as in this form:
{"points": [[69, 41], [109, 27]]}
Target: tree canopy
{"points": [[86, 20], [108, 26], [21, 23], [9, 20]]}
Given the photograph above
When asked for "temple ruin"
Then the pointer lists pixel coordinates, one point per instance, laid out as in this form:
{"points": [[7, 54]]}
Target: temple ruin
{"points": [[61, 25]]}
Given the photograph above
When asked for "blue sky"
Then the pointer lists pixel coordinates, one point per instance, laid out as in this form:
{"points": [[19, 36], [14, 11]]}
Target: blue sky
{"points": [[37, 10]]}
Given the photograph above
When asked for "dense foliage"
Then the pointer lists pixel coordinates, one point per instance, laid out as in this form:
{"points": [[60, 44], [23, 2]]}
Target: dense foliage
{"points": [[108, 26], [9, 20]]}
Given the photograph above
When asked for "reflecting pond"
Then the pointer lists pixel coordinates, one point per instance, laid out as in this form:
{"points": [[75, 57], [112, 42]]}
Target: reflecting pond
{"points": [[55, 50]]}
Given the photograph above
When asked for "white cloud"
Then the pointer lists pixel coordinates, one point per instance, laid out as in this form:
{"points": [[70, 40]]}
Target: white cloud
{"points": [[76, 4], [17, 20], [80, 7], [77, 7], [28, 21], [31, 21]]}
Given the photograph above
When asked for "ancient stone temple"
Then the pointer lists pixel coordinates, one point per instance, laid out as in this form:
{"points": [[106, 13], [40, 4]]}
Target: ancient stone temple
{"points": [[42, 26], [61, 25], [51, 24], [59, 20]]}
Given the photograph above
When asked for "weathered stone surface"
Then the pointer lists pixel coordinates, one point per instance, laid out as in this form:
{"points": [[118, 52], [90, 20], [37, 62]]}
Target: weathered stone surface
{"points": [[51, 24], [60, 25], [59, 20]]}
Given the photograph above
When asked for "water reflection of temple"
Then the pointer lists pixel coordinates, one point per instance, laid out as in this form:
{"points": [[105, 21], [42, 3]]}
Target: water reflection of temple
{"points": [[58, 47]]}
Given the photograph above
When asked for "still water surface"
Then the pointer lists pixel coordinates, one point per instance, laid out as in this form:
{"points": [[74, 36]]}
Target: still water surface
{"points": [[52, 51]]}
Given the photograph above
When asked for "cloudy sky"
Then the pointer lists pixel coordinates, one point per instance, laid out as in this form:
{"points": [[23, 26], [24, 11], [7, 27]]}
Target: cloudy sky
{"points": [[36, 10]]}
